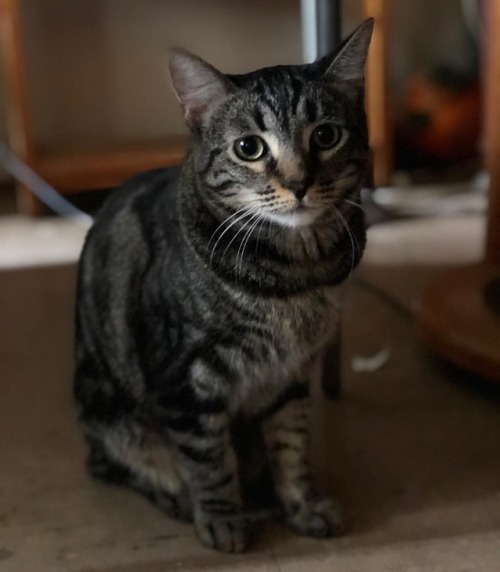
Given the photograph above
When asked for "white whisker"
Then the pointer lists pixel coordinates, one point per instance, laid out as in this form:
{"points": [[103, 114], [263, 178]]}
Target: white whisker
{"points": [[241, 247], [354, 204], [225, 221], [262, 220], [253, 213], [352, 238], [245, 240], [242, 216]]}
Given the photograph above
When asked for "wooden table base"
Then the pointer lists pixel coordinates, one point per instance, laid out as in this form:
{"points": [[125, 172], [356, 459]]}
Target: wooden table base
{"points": [[459, 321]]}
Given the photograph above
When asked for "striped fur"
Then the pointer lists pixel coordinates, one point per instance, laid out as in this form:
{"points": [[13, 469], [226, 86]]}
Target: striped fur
{"points": [[204, 294]]}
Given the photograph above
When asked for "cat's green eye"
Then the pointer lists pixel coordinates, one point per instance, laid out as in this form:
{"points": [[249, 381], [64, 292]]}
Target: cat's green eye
{"points": [[326, 136], [250, 148]]}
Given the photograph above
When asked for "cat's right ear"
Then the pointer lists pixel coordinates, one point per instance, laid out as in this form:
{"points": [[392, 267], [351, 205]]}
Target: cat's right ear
{"points": [[198, 85], [347, 63]]}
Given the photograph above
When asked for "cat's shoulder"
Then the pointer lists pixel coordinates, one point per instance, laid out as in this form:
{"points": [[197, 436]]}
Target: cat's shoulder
{"points": [[142, 193], [136, 212]]}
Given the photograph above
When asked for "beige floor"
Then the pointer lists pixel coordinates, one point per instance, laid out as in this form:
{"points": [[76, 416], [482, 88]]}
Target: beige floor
{"points": [[411, 450]]}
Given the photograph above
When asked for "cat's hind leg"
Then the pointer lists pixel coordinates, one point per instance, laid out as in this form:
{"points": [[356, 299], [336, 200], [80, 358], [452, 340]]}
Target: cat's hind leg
{"points": [[127, 453]]}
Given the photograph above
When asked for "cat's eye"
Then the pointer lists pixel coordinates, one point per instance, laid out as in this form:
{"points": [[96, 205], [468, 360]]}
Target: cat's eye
{"points": [[250, 148], [326, 136]]}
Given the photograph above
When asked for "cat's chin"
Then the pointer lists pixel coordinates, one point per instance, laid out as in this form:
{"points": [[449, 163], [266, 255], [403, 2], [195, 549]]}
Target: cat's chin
{"points": [[295, 218]]}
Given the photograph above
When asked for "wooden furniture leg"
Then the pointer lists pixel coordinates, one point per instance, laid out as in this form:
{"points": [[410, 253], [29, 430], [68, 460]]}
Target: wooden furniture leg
{"points": [[331, 372], [460, 315], [378, 101], [492, 126], [18, 117]]}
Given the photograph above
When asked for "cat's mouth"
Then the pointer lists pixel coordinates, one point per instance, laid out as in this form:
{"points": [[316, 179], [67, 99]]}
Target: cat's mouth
{"points": [[300, 207], [301, 214], [303, 206]]}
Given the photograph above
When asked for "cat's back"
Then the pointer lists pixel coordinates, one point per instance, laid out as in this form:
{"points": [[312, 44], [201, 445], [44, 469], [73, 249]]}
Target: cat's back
{"points": [[130, 232], [131, 229], [129, 223], [136, 202]]}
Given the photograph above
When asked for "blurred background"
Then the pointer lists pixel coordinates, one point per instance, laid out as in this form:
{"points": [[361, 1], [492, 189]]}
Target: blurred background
{"points": [[411, 446], [97, 70], [95, 78]]}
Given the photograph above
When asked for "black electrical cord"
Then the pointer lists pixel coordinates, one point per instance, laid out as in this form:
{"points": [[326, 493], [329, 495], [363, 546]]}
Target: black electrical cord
{"points": [[384, 296]]}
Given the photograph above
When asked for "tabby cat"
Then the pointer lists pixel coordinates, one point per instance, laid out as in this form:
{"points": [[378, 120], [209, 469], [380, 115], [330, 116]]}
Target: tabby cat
{"points": [[205, 292]]}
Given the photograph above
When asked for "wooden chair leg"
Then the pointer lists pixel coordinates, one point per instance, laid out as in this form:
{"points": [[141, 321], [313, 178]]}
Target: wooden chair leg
{"points": [[378, 103], [331, 372], [17, 109], [27, 203]]}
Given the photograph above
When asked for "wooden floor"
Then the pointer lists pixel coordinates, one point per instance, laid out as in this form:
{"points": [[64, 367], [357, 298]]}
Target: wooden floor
{"points": [[410, 451]]}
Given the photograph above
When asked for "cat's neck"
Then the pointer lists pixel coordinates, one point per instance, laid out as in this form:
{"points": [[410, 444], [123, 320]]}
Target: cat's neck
{"points": [[268, 258]]}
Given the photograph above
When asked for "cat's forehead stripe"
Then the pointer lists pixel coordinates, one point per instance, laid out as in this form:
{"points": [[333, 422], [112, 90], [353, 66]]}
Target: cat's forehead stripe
{"points": [[283, 97], [259, 119], [311, 110], [296, 87]]}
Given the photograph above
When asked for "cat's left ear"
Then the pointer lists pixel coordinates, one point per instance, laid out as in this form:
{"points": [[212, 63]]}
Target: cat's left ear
{"points": [[349, 60], [198, 85]]}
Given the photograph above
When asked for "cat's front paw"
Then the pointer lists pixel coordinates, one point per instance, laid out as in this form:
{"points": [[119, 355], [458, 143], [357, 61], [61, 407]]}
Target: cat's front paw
{"points": [[224, 533], [319, 518]]}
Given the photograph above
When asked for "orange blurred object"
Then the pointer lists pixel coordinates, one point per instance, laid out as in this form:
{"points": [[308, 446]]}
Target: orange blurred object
{"points": [[440, 119]]}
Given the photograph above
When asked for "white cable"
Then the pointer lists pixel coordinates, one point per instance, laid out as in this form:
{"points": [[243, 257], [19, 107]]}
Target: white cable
{"points": [[47, 194]]}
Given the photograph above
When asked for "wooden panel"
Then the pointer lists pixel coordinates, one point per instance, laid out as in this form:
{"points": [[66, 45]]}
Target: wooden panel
{"points": [[18, 114], [98, 169], [378, 96], [493, 130], [456, 322]]}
